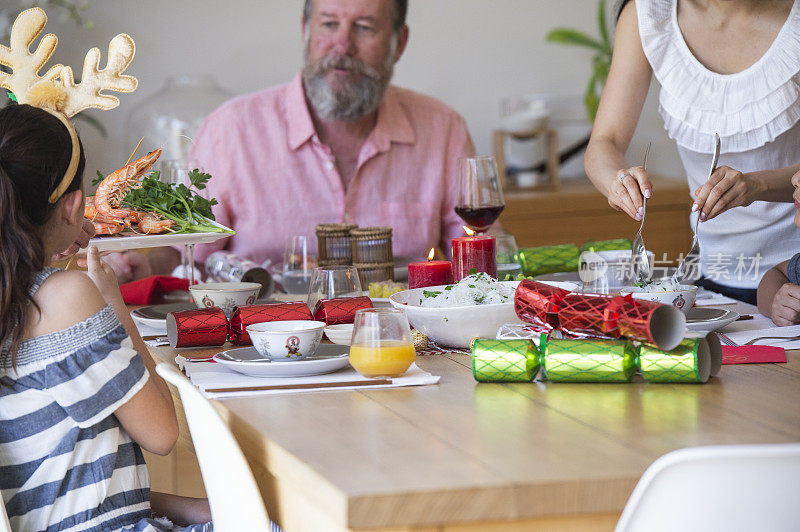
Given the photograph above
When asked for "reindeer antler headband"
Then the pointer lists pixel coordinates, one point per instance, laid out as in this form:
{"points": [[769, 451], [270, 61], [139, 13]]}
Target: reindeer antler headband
{"points": [[56, 91]]}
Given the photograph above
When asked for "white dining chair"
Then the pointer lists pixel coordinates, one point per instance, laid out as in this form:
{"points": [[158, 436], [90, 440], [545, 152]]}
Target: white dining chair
{"points": [[233, 495], [718, 488], [5, 525]]}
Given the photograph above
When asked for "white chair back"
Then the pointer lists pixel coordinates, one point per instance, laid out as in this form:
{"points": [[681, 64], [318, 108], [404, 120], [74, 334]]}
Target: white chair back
{"points": [[718, 488], [5, 525], [233, 495]]}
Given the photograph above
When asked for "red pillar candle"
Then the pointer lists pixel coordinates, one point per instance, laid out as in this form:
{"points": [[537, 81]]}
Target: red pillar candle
{"points": [[474, 252], [429, 273]]}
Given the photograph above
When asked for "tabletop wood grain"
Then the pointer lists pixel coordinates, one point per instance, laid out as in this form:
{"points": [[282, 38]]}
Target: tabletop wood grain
{"points": [[462, 455]]}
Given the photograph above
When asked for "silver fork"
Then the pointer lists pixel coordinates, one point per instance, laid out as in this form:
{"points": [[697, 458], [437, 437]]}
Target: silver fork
{"points": [[727, 341], [682, 269], [641, 266]]}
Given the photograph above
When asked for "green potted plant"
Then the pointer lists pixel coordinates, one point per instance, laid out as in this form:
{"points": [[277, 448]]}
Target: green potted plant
{"points": [[601, 60]]}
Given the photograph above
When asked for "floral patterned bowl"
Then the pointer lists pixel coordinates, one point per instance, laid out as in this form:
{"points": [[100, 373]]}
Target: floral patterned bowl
{"points": [[286, 340], [224, 295], [682, 298]]}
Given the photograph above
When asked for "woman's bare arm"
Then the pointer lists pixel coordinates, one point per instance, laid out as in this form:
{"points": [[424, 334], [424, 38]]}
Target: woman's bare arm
{"points": [[620, 107]]}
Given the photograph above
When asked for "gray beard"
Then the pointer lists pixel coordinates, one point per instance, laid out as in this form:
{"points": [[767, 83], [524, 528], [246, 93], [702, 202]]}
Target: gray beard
{"points": [[356, 100]]}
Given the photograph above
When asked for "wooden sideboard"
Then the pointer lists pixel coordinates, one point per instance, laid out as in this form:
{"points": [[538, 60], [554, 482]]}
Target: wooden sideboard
{"points": [[577, 212]]}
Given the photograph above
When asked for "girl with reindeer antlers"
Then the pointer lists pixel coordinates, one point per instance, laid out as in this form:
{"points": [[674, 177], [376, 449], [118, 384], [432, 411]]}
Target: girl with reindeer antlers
{"points": [[79, 395]]}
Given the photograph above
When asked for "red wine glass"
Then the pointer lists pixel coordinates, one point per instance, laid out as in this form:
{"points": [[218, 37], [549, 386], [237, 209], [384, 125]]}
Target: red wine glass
{"points": [[480, 194]]}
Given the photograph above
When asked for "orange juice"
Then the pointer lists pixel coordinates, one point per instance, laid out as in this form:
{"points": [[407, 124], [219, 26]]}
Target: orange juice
{"points": [[390, 359]]}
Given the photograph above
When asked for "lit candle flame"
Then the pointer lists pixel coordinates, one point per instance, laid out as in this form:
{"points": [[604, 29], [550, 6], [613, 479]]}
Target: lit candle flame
{"points": [[469, 231], [430, 255]]}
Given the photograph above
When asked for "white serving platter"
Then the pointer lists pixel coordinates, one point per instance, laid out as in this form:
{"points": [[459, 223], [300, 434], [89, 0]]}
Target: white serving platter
{"points": [[129, 240]]}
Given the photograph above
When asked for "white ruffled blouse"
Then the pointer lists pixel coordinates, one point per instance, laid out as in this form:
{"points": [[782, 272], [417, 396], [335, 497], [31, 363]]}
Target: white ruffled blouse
{"points": [[757, 115]]}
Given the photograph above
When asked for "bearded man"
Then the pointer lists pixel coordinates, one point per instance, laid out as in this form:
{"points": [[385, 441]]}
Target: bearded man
{"points": [[336, 144]]}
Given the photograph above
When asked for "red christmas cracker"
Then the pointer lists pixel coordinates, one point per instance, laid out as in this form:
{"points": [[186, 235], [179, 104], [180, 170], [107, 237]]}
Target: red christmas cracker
{"points": [[538, 303], [589, 315], [249, 314], [636, 318], [340, 310], [197, 328]]}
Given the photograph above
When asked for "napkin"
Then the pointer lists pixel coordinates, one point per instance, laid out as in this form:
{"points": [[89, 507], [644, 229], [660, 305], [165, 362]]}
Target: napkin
{"points": [[709, 298], [146, 291], [789, 332], [753, 354], [208, 375]]}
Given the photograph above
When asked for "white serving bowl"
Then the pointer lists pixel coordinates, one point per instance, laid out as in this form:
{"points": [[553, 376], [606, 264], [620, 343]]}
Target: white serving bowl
{"points": [[457, 326], [682, 299], [286, 340], [340, 334], [224, 295]]}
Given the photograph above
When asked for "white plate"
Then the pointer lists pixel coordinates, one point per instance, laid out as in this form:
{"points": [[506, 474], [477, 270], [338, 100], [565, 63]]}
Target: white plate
{"points": [[130, 240], [709, 319], [151, 316], [246, 360], [381, 302]]}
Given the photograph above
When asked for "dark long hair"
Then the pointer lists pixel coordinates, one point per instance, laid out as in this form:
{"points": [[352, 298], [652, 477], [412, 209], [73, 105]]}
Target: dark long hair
{"points": [[35, 149]]}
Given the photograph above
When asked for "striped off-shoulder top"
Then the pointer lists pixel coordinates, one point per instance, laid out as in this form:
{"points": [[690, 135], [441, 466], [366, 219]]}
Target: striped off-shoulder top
{"points": [[66, 463]]}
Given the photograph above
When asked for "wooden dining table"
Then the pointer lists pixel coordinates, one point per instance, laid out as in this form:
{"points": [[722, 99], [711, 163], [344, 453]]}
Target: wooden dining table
{"points": [[469, 456]]}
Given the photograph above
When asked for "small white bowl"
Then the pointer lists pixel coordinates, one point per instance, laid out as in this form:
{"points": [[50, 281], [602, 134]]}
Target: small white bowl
{"points": [[224, 295], [682, 299], [286, 340], [340, 334]]}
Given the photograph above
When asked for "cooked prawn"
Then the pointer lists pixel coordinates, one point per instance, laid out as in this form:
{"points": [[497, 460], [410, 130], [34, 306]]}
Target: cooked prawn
{"points": [[150, 224], [91, 214], [107, 228], [115, 186], [88, 209]]}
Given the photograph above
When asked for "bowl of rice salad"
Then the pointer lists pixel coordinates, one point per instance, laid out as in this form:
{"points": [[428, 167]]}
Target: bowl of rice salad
{"points": [[452, 315]]}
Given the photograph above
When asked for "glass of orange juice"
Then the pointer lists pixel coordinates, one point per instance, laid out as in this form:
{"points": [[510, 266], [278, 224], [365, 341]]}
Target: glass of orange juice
{"points": [[381, 345]]}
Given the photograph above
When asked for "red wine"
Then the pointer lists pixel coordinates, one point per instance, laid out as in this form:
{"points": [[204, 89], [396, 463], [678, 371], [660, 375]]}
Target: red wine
{"points": [[481, 217]]}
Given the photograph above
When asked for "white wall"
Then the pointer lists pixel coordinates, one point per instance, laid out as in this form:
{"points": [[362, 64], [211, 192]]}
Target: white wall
{"points": [[468, 53]]}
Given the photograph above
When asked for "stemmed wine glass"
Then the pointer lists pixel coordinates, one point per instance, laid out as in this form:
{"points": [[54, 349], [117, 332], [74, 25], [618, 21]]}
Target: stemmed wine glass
{"points": [[176, 171], [480, 194], [331, 282]]}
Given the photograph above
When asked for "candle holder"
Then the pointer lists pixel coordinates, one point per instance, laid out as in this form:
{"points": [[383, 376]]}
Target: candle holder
{"points": [[372, 254], [333, 244]]}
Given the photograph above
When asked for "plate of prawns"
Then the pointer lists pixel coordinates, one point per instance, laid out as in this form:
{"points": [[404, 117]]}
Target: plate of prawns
{"points": [[121, 226]]}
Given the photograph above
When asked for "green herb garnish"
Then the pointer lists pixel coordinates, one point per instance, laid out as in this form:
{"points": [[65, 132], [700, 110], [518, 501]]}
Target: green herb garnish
{"points": [[190, 211], [430, 293], [472, 271], [96, 181]]}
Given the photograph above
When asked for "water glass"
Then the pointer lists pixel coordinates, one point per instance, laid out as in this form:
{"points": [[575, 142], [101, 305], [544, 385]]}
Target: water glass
{"points": [[508, 264], [176, 171], [333, 281], [381, 345], [298, 265]]}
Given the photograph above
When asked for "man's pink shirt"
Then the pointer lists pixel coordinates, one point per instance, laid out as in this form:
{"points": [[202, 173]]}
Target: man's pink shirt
{"points": [[273, 177]]}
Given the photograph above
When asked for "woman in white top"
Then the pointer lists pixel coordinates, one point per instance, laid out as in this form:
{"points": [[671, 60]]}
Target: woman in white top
{"points": [[725, 66]]}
